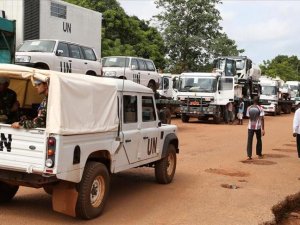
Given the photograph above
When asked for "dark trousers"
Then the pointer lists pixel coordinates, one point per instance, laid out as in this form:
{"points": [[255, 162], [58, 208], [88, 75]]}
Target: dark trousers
{"points": [[258, 144], [298, 144]]}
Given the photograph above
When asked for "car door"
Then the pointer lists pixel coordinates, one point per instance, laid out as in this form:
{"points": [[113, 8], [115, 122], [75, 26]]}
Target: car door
{"points": [[225, 90], [91, 64], [130, 127], [62, 63], [135, 75], [76, 59], [149, 129], [143, 72]]}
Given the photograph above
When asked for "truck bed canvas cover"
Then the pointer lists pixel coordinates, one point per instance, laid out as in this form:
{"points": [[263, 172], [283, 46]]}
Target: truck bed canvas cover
{"points": [[77, 104]]}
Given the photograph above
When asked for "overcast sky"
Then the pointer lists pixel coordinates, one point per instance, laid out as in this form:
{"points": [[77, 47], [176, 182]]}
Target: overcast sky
{"points": [[264, 28]]}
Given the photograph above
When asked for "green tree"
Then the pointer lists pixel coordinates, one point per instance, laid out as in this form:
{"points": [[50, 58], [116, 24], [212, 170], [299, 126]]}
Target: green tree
{"points": [[192, 34], [286, 67], [126, 35]]}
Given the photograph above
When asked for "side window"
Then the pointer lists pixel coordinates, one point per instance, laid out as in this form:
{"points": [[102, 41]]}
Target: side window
{"points": [[150, 66], [75, 52], [134, 64], [89, 54], [130, 108], [63, 47], [142, 64], [148, 110], [166, 83], [226, 84]]}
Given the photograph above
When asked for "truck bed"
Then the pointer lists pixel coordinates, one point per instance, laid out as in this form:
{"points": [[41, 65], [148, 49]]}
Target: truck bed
{"points": [[27, 151]]}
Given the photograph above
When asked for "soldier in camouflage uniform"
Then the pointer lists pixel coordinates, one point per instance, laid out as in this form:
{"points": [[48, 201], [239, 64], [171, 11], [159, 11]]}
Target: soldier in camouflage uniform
{"points": [[40, 120], [8, 102]]}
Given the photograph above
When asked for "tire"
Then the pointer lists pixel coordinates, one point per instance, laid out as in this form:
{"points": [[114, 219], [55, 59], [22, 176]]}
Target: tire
{"points": [[217, 117], [279, 110], [165, 168], [185, 118], [93, 191], [7, 191], [152, 86], [91, 73], [48, 189]]}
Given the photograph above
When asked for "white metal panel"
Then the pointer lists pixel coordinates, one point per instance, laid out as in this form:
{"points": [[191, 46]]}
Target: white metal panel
{"points": [[28, 149], [84, 24]]}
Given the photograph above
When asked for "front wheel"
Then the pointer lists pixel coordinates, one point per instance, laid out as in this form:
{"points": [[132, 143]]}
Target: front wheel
{"points": [[185, 118], [165, 168], [92, 191], [7, 191]]}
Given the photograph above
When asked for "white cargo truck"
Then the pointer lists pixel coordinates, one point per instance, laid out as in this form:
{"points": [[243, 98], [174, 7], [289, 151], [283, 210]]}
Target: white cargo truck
{"points": [[295, 88], [54, 19], [205, 95], [109, 127], [247, 74], [271, 98]]}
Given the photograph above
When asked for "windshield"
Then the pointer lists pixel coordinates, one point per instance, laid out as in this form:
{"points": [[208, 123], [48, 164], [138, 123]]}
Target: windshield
{"points": [[115, 62], [197, 84], [268, 90], [37, 46], [240, 64], [294, 87]]}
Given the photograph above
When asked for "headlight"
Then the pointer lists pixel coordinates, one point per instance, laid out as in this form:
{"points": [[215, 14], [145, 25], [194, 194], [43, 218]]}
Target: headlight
{"points": [[23, 58], [110, 74]]}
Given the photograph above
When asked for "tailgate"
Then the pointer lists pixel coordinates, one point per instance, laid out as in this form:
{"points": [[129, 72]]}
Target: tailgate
{"points": [[22, 150]]}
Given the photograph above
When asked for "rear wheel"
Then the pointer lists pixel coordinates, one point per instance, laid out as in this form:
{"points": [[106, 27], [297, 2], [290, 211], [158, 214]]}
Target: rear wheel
{"points": [[7, 191], [152, 86], [92, 191], [185, 118], [165, 168]]}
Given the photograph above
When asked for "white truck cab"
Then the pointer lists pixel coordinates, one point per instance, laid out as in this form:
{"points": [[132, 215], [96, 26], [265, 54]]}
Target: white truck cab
{"points": [[58, 55], [168, 87], [138, 70], [88, 137], [295, 88]]}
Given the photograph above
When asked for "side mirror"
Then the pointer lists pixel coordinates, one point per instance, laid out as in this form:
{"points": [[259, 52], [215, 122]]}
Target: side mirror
{"points": [[60, 52], [133, 67]]}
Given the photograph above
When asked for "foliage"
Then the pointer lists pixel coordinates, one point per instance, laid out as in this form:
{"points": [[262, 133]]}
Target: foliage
{"points": [[126, 35], [287, 68], [192, 34]]}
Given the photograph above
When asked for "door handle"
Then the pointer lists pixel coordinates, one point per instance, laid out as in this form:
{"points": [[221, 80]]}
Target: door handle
{"points": [[145, 138], [127, 141], [70, 60], [85, 63]]}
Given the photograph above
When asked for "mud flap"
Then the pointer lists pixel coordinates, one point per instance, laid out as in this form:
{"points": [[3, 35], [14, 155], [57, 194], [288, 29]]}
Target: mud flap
{"points": [[64, 198]]}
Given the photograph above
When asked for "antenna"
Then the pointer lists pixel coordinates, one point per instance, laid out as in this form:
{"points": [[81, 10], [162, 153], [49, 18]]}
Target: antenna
{"points": [[122, 95]]}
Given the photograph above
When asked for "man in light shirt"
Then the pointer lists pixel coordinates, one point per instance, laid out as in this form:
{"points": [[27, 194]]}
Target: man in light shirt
{"points": [[296, 128], [256, 125]]}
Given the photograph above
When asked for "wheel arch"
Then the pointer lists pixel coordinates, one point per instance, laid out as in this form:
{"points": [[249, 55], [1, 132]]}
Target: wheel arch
{"points": [[41, 65], [170, 139], [91, 72], [101, 156]]}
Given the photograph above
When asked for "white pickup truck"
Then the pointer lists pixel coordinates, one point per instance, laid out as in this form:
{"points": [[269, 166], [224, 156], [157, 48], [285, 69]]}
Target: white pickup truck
{"points": [[95, 127]]}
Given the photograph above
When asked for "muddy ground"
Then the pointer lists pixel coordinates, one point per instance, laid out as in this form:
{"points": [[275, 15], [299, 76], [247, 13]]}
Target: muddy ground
{"points": [[213, 185]]}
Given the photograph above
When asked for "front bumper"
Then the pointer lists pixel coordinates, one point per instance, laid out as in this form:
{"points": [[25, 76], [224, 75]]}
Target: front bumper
{"points": [[198, 111], [28, 64], [269, 108]]}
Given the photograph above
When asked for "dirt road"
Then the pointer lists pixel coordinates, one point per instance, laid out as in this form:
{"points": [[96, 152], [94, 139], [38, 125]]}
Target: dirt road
{"points": [[210, 160]]}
